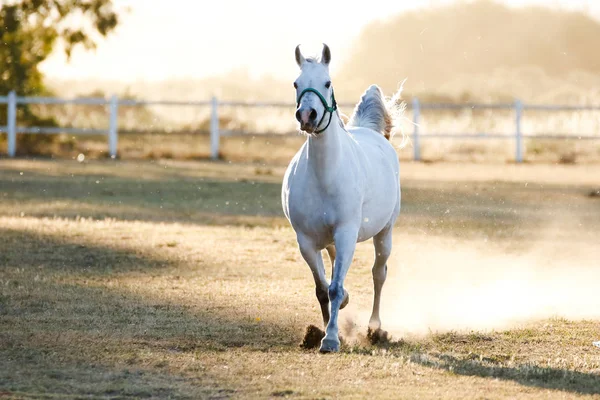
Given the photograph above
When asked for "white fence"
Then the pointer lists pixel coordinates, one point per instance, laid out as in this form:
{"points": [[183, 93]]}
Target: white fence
{"points": [[113, 103]]}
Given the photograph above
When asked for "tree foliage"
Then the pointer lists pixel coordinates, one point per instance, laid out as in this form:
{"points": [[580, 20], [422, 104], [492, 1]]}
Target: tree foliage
{"points": [[30, 30]]}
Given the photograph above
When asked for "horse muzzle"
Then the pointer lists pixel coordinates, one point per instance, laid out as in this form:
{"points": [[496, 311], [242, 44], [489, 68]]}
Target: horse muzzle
{"points": [[307, 118]]}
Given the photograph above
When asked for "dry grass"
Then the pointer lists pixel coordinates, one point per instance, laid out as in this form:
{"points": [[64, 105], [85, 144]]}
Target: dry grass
{"points": [[177, 279]]}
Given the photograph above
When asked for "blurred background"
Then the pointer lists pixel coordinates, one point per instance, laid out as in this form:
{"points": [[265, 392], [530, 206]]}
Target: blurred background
{"points": [[450, 52]]}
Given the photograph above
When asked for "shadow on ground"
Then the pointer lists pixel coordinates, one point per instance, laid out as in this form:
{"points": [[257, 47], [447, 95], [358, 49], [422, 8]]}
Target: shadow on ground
{"points": [[203, 200], [527, 375], [68, 331], [204, 197], [493, 367]]}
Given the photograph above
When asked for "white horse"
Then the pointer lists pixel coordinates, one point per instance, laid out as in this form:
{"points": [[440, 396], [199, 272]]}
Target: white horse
{"points": [[342, 187]]}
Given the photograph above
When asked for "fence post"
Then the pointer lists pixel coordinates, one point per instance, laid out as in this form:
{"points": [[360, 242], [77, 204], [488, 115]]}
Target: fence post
{"points": [[214, 129], [11, 123], [518, 134], [113, 137], [416, 114]]}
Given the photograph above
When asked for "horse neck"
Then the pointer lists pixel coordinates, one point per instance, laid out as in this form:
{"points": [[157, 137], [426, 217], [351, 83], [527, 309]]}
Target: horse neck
{"points": [[325, 151]]}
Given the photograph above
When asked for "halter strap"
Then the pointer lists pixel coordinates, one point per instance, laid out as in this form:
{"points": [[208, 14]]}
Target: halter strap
{"points": [[328, 109]]}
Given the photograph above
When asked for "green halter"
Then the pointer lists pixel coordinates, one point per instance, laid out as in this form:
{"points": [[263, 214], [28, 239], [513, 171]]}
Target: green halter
{"points": [[328, 109]]}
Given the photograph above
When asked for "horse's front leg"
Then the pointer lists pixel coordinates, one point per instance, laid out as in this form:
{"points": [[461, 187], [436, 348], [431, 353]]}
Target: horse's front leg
{"points": [[331, 252], [345, 243], [313, 258]]}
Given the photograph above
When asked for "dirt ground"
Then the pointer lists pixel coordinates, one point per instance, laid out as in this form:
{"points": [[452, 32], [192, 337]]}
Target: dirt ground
{"points": [[182, 279]]}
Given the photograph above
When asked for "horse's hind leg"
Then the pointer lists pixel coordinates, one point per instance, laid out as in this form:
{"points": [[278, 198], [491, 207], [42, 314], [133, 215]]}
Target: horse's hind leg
{"points": [[313, 258], [331, 252], [383, 247]]}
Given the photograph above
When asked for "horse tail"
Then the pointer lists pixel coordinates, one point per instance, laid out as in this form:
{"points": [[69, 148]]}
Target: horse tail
{"points": [[375, 112]]}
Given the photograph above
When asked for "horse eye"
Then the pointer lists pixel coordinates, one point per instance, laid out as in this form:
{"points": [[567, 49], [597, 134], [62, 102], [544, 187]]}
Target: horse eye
{"points": [[295, 85], [328, 84]]}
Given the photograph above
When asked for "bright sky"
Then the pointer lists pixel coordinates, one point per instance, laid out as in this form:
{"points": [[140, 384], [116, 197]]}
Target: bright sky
{"points": [[160, 39]]}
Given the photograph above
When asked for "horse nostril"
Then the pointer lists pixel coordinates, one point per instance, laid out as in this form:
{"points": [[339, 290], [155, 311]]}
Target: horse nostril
{"points": [[313, 114], [298, 116]]}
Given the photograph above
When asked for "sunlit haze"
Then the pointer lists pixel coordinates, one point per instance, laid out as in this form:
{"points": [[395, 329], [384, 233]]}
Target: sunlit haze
{"points": [[159, 40]]}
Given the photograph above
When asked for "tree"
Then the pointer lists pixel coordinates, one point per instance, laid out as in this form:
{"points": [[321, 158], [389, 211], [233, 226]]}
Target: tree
{"points": [[30, 30]]}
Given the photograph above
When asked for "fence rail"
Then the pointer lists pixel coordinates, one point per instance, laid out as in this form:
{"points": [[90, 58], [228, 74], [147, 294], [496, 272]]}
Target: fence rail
{"points": [[113, 103]]}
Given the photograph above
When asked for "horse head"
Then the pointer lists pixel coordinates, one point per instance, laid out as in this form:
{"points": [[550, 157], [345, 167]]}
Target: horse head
{"points": [[314, 93]]}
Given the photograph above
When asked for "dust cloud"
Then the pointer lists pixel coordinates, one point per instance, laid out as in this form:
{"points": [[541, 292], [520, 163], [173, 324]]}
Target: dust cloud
{"points": [[436, 285]]}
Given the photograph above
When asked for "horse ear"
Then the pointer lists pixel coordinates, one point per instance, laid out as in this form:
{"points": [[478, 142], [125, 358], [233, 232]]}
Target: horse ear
{"points": [[326, 56], [299, 57]]}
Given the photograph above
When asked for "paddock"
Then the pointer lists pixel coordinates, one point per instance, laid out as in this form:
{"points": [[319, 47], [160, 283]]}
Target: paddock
{"points": [[182, 279]]}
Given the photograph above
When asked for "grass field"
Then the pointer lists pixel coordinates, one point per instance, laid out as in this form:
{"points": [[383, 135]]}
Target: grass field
{"points": [[181, 279]]}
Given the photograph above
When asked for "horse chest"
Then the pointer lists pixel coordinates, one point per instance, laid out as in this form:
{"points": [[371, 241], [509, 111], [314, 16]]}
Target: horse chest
{"points": [[312, 212]]}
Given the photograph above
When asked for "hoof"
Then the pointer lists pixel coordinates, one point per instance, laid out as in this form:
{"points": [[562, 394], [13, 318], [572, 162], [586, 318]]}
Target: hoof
{"points": [[378, 336], [312, 337], [330, 346], [346, 299]]}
